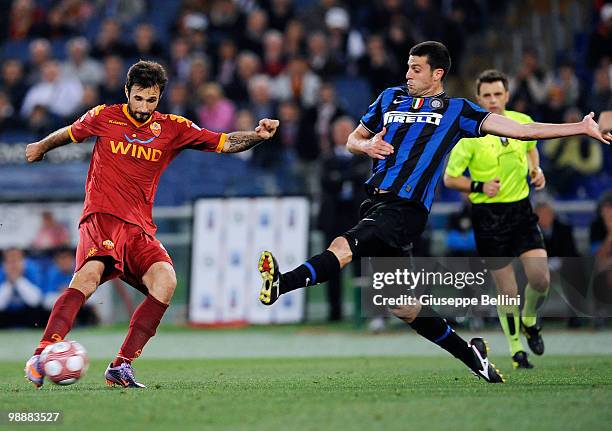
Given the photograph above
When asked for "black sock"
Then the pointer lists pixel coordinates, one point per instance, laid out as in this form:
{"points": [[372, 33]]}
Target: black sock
{"points": [[432, 326], [315, 270]]}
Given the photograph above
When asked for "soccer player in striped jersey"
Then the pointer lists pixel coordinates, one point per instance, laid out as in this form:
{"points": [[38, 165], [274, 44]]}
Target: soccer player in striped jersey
{"points": [[408, 130], [505, 225]]}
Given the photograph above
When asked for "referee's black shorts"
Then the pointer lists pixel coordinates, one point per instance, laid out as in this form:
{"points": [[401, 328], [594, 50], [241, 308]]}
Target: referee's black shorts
{"points": [[504, 231], [388, 226]]}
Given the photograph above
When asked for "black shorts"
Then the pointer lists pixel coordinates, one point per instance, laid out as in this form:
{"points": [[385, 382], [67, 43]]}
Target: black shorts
{"points": [[505, 231], [388, 226]]}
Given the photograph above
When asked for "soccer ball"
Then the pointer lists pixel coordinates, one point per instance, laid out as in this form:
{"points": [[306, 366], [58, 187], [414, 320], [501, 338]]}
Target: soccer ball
{"points": [[64, 362]]}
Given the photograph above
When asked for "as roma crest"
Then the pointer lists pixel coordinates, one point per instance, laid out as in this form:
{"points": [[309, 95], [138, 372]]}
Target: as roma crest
{"points": [[155, 128]]}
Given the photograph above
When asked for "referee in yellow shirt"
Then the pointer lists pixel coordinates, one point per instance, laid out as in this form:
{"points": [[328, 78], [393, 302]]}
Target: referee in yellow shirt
{"points": [[505, 225]]}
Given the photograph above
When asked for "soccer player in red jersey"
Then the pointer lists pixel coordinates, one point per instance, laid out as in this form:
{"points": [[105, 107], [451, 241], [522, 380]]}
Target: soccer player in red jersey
{"points": [[134, 145]]}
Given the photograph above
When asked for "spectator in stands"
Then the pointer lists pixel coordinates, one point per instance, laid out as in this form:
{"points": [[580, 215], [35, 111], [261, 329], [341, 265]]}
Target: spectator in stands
{"points": [[571, 159], [198, 75], [216, 112], [601, 247], [180, 59], [59, 276], [9, 120], [225, 18], [226, 62], [454, 34], [386, 13], [79, 64], [112, 89], [399, 38], [320, 60], [247, 66], [20, 293], [66, 18], [566, 79], [91, 98], [600, 43], [345, 44], [260, 97], [552, 111], [298, 83], [294, 39], [322, 116], [427, 20], [145, 45], [26, 20], [109, 40], [60, 94], [273, 57], [280, 12], [531, 83], [313, 17], [342, 180], [600, 98], [558, 235], [41, 122], [179, 101], [40, 54], [13, 82], [51, 234], [378, 67], [252, 35], [124, 11]]}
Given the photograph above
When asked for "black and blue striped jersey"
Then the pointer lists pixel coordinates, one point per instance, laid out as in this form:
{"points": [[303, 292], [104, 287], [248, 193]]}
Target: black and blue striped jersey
{"points": [[422, 131]]}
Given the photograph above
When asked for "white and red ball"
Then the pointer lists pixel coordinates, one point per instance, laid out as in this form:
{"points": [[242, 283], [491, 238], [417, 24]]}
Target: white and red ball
{"points": [[64, 362]]}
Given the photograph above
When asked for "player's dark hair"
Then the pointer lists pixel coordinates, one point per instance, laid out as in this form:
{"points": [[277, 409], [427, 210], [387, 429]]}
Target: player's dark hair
{"points": [[437, 55], [147, 74], [489, 76]]}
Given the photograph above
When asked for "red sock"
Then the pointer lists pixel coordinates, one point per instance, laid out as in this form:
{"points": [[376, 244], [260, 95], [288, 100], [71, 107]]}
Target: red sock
{"points": [[62, 317], [144, 322]]}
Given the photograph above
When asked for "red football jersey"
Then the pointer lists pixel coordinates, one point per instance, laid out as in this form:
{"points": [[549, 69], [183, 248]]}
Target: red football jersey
{"points": [[129, 158]]}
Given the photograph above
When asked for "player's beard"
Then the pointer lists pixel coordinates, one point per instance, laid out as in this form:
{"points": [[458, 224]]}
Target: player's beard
{"points": [[138, 116]]}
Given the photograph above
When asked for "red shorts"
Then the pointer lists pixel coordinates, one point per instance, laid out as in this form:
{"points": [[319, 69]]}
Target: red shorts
{"points": [[127, 251]]}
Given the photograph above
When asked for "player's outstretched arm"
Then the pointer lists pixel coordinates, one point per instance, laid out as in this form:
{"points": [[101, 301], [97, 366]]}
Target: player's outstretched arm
{"points": [[242, 141], [499, 125], [361, 141], [36, 151]]}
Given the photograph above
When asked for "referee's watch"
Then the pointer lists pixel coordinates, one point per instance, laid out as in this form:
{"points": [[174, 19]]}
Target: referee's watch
{"points": [[477, 187]]}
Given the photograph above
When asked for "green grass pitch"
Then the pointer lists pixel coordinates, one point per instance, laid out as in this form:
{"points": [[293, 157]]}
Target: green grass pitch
{"points": [[355, 393]]}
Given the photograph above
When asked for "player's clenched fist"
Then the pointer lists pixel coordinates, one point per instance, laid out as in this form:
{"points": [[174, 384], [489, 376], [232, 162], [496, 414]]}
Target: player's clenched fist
{"points": [[267, 128], [34, 152], [377, 148]]}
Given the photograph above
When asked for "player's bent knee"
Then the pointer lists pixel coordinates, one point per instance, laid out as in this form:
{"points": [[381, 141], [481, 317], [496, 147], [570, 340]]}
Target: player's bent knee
{"points": [[160, 280], [87, 279], [406, 312], [340, 247]]}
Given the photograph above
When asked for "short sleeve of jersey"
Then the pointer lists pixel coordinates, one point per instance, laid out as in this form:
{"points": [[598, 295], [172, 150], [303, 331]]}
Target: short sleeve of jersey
{"points": [[190, 136], [471, 118], [373, 118], [88, 125], [460, 157]]}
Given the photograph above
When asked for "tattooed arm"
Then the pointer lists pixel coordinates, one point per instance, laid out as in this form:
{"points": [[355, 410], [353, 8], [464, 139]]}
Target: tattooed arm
{"points": [[36, 151], [242, 141]]}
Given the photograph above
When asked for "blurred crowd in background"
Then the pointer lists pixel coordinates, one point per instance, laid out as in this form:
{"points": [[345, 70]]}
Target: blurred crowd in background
{"points": [[314, 64]]}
